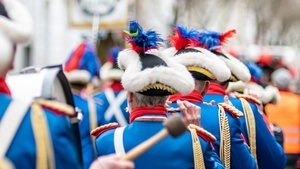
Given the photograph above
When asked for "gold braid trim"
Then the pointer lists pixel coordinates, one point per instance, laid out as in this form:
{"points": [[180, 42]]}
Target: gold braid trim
{"points": [[233, 79], [6, 164], [206, 135], [202, 71], [158, 86], [95, 132], [225, 142], [61, 107], [92, 115], [232, 110], [248, 98], [44, 149], [198, 155], [250, 124]]}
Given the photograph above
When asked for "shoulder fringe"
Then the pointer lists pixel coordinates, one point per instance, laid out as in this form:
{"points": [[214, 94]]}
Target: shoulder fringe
{"points": [[249, 98], [204, 134], [57, 107], [101, 129], [232, 110]]}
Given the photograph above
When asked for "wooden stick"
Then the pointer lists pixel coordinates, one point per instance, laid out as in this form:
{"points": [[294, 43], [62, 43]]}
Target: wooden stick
{"points": [[141, 148]]}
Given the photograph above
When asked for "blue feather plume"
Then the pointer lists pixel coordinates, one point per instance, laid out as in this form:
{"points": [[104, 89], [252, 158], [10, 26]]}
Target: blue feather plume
{"points": [[255, 71], [188, 34], [140, 40], [209, 39]]}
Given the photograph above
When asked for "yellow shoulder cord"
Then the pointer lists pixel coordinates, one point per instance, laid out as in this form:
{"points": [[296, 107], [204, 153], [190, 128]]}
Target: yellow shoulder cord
{"points": [[224, 138], [92, 115], [198, 155], [6, 164], [44, 149], [250, 124]]}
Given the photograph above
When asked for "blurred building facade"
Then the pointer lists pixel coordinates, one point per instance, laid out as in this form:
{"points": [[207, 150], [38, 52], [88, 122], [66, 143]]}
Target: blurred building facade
{"points": [[259, 24]]}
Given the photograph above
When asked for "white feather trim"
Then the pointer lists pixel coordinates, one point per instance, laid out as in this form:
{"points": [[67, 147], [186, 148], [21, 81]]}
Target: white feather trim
{"points": [[236, 86], [169, 51], [237, 68], [256, 89], [271, 95], [206, 60], [79, 76], [17, 29], [134, 80], [107, 73], [20, 26], [6, 53]]}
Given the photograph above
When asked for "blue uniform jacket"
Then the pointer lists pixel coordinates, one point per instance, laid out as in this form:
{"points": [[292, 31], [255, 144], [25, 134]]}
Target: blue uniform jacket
{"points": [[169, 153], [269, 153], [22, 151], [119, 114], [240, 154], [85, 129]]}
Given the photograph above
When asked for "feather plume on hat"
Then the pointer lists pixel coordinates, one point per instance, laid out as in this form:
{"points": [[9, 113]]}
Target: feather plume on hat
{"points": [[147, 70], [202, 64], [83, 64], [214, 41]]}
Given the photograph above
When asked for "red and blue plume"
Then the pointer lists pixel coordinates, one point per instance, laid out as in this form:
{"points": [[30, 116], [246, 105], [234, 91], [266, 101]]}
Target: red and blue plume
{"points": [[183, 37], [112, 55], [84, 58], [140, 40], [255, 71], [212, 40]]}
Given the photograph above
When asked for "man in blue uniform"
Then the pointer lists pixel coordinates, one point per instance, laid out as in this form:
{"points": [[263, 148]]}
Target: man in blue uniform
{"points": [[268, 153], [113, 97], [81, 68], [32, 134], [205, 66], [149, 78]]}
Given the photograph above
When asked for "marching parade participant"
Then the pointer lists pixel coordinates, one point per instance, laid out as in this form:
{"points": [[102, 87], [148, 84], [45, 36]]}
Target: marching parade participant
{"points": [[220, 120], [265, 94], [149, 78], [33, 134], [113, 97], [267, 152], [81, 68], [285, 114]]}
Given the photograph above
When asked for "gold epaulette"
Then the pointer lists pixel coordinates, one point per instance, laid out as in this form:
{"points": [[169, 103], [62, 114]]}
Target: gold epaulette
{"points": [[56, 107], [204, 134], [101, 129], [231, 109], [249, 98]]}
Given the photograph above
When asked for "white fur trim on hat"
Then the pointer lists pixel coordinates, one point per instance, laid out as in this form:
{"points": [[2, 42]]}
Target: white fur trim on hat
{"points": [[17, 29], [238, 86], [107, 72], [271, 95], [203, 59], [237, 68], [175, 75], [19, 26], [78, 76]]}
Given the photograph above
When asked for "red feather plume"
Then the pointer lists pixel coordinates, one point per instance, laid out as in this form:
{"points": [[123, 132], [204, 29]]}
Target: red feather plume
{"points": [[226, 35], [178, 41]]}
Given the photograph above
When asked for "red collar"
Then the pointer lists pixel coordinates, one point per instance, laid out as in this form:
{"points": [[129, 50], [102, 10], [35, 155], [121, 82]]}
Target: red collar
{"points": [[215, 88], [141, 111], [3, 87], [194, 96], [116, 86]]}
